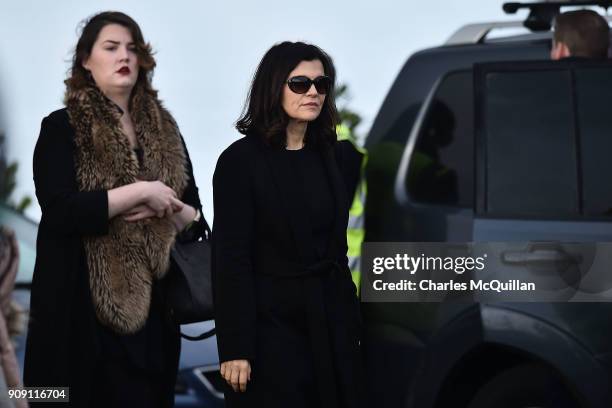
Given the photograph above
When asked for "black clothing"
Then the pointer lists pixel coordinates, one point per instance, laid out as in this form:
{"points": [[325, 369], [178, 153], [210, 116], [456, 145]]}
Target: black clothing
{"points": [[351, 166], [120, 385], [283, 293], [132, 369], [308, 171], [145, 348], [139, 154], [66, 346]]}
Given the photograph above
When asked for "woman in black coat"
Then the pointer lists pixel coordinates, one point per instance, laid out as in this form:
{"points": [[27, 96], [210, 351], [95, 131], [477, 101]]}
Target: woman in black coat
{"points": [[115, 185], [287, 315]]}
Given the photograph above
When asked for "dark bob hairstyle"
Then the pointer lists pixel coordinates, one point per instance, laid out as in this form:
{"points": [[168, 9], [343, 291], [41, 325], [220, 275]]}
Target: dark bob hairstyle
{"points": [[79, 77], [263, 113]]}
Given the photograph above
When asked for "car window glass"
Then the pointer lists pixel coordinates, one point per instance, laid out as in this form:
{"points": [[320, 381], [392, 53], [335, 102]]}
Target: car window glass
{"points": [[530, 145], [593, 93], [441, 167]]}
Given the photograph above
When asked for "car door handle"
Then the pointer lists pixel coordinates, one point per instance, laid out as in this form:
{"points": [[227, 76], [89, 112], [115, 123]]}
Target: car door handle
{"points": [[539, 256]]}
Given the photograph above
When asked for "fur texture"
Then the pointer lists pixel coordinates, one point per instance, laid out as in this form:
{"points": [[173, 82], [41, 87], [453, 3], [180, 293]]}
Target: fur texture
{"points": [[123, 264]]}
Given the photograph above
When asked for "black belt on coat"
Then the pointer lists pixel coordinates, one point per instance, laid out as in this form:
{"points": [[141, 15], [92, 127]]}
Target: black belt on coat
{"points": [[318, 324]]}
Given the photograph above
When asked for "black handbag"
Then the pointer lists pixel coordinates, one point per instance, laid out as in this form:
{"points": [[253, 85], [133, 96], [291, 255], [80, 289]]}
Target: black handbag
{"points": [[189, 288]]}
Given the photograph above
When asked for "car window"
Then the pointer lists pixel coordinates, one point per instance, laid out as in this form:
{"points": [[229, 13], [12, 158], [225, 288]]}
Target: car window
{"points": [[441, 167], [530, 147], [593, 91], [546, 138]]}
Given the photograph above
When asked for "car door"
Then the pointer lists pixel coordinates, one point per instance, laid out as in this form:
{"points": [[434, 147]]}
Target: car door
{"points": [[542, 154]]}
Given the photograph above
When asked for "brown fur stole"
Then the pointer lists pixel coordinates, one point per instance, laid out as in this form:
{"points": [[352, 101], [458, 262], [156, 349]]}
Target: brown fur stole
{"points": [[123, 264]]}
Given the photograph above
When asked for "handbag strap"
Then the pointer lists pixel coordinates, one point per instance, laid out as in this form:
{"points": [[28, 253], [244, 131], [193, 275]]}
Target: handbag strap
{"points": [[202, 336]]}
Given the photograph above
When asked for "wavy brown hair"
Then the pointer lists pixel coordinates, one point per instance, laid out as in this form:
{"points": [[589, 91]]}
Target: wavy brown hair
{"points": [[79, 77], [263, 113]]}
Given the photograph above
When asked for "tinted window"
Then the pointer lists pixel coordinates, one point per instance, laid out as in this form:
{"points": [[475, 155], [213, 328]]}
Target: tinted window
{"points": [[441, 166], [547, 139], [530, 145], [594, 93]]}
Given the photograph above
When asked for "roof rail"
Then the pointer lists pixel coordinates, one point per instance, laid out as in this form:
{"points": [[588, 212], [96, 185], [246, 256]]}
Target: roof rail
{"points": [[476, 33], [542, 14]]}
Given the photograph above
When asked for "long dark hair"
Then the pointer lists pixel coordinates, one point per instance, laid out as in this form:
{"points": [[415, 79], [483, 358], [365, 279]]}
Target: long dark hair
{"points": [[79, 77], [263, 113]]}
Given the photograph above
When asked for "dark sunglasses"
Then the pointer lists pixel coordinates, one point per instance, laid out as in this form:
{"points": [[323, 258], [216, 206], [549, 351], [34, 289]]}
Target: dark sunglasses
{"points": [[301, 84]]}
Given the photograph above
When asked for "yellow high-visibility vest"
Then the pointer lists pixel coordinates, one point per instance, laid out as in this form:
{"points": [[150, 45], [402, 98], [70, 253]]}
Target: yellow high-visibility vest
{"points": [[355, 232]]}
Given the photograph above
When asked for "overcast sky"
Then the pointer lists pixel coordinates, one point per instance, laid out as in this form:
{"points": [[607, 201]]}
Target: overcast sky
{"points": [[206, 54]]}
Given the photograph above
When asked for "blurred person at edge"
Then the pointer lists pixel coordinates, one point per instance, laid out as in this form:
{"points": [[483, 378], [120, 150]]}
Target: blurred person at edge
{"points": [[580, 34], [287, 315], [12, 320], [115, 185]]}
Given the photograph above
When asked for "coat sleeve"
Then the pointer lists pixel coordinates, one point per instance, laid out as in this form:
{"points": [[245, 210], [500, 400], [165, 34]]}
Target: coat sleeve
{"points": [[233, 234], [340, 155], [349, 162], [65, 210], [191, 197]]}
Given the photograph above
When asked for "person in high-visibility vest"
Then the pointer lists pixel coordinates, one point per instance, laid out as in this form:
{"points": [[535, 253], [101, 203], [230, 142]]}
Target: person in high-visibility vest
{"points": [[355, 158]]}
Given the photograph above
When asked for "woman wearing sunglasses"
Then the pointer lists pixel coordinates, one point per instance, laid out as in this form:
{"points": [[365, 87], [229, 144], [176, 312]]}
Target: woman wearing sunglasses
{"points": [[287, 317]]}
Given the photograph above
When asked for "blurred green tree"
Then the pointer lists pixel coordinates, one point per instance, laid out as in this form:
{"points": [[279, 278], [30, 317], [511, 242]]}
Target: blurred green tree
{"points": [[8, 181], [348, 116]]}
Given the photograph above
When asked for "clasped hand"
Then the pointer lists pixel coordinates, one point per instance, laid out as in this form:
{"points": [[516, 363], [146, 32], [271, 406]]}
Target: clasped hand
{"points": [[159, 201]]}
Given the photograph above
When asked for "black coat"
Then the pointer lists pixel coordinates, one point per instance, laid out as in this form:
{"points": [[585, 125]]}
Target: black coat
{"points": [[294, 318], [63, 345]]}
